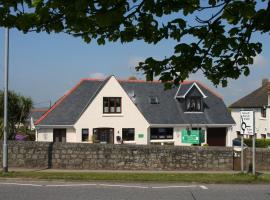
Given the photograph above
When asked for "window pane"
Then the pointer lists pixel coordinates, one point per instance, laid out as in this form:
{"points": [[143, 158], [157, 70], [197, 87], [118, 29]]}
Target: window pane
{"points": [[198, 105], [112, 109], [118, 105], [105, 104], [85, 135], [193, 104], [161, 133]]}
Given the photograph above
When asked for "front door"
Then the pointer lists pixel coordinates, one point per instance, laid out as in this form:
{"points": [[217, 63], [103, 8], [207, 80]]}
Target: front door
{"points": [[104, 135], [59, 135]]}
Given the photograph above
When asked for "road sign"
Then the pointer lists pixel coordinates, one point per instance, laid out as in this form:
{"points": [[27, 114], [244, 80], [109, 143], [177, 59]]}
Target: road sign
{"points": [[192, 136], [247, 122]]}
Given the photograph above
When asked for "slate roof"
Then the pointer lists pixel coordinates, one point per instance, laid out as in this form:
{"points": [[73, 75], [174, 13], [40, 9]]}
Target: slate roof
{"points": [[255, 99], [183, 89], [36, 113], [168, 111], [189, 87]]}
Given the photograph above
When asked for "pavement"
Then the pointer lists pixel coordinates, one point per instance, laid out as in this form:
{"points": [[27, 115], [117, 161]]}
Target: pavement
{"points": [[13, 169]]}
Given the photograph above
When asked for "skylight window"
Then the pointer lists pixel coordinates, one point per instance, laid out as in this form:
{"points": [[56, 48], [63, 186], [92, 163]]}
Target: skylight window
{"points": [[153, 100]]}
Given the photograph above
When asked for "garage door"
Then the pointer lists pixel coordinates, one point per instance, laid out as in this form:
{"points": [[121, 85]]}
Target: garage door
{"points": [[216, 136]]}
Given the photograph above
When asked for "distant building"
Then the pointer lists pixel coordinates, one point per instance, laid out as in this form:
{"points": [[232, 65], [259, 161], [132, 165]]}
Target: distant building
{"points": [[259, 102], [136, 112]]}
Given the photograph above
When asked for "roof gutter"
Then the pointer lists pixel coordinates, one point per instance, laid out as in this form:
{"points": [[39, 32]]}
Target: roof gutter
{"points": [[57, 126], [193, 125]]}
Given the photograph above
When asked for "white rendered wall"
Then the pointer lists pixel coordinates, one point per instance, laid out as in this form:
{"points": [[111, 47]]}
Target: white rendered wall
{"points": [[130, 117], [46, 135], [262, 125]]}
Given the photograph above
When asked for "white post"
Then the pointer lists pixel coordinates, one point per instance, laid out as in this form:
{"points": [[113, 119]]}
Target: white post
{"points": [[253, 155], [242, 153]]}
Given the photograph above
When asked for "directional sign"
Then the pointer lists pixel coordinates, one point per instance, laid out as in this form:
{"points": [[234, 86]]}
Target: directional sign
{"points": [[192, 136], [247, 122]]}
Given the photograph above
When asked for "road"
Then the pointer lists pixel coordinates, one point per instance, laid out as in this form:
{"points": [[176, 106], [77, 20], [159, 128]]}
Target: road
{"points": [[39, 190]]}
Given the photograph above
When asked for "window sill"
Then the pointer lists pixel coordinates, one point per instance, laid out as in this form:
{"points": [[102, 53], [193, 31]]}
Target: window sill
{"points": [[113, 115], [162, 140], [263, 118], [129, 142]]}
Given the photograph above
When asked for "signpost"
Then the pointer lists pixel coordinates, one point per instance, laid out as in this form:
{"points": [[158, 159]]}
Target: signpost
{"points": [[247, 128]]}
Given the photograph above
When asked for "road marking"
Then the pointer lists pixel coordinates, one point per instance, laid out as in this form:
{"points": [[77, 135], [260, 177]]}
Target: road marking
{"points": [[22, 184], [203, 187], [124, 186], [175, 186], [71, 185]]}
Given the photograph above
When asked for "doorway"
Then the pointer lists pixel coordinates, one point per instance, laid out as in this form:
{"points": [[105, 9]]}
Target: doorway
{"points": [[216, 136], [103, 135]]}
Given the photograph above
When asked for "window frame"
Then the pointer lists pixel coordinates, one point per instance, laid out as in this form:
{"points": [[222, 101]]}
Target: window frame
{"points": [[123, 129], [114, 106]]}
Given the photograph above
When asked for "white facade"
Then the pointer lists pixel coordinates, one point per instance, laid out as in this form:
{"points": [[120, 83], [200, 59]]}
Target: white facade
{"points": [[93, 117], [130, 117]]}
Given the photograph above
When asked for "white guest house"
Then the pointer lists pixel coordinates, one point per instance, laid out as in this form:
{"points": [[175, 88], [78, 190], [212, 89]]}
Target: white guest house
{"points": [[259, 102], [137, 112]]}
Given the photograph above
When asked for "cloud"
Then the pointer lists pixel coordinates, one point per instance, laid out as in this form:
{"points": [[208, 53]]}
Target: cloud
{"points": [[261, 61], [98, 75]]}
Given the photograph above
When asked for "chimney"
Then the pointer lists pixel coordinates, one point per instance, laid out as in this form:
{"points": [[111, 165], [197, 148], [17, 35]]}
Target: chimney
{"points": [[264, 81]]}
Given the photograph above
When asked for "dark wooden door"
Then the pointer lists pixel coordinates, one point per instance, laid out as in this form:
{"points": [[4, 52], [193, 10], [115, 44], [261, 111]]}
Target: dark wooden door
{"points": [[104, 135], [59, 135], [216, 136]]}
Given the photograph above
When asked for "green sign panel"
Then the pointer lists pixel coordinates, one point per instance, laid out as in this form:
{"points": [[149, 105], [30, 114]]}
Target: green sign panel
{"points": [[193, 136], [140, 135]]}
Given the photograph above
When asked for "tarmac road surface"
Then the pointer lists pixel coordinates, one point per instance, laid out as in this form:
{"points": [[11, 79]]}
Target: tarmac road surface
{"points": [[39, 190]]}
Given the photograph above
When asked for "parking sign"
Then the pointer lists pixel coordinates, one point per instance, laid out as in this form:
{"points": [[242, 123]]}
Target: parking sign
{"points": [[247, 122]]}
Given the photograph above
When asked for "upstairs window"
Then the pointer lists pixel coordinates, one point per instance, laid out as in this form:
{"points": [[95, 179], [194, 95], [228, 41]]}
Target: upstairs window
{"points": [[194, 104], [263, 112], [112, 105]]}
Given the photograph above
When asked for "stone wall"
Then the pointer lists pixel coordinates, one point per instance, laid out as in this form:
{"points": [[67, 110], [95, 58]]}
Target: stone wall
{"points": [[123, 157]]}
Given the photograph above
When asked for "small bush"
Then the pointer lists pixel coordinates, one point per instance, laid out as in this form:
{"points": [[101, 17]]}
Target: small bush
{"points": [[259, 143]]}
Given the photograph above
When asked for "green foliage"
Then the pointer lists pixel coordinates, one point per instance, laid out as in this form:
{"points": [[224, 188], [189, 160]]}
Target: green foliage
{"points": [[220, 31], [18, 111], [259, 143]]}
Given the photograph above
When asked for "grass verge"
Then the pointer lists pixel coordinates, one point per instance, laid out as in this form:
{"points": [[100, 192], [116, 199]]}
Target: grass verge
{"points": [[142, 177]]}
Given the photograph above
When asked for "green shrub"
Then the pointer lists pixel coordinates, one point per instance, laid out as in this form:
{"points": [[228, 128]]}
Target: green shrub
{"points": [[259, 143]]}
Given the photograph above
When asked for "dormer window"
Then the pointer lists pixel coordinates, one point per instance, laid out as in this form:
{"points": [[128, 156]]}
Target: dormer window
{"points": [[194, 104]]}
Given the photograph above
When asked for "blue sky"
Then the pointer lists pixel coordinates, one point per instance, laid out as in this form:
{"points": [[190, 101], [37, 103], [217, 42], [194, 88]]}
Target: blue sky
{"points": [[45, 66]]}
